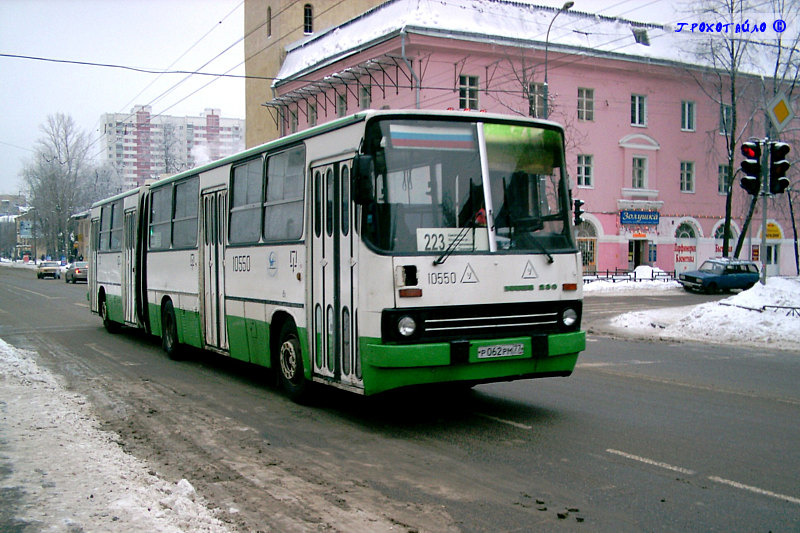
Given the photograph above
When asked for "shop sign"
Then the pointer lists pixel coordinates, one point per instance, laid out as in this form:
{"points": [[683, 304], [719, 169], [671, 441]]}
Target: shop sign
{"points": [[773, 232], [639, 217], [685, 253]]}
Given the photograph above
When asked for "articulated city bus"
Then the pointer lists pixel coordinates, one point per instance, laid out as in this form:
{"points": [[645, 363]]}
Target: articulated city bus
{"points": [[377, 251]]}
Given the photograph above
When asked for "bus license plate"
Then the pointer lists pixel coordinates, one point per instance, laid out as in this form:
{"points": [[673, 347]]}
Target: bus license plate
{"points": [[500, 350]]}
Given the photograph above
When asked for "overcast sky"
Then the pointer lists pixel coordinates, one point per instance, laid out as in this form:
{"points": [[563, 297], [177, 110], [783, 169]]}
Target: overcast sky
{"points": [[145, 34]]}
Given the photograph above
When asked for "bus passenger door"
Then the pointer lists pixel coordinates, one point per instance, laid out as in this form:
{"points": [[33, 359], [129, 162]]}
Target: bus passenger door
{"points": [[92, 278], [213, 236], [333, 270], [129, 267]]}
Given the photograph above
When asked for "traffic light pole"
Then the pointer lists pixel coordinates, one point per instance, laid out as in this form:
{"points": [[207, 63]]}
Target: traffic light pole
{"points": [[764, 193]]}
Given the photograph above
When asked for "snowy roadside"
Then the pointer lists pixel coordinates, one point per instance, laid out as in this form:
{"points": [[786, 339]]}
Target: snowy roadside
{"points": [[60, 472], [757, 317]]}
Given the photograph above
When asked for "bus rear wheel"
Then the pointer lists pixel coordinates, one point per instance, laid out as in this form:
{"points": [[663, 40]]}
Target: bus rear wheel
{"points": [[169, 331], [290, 362]]}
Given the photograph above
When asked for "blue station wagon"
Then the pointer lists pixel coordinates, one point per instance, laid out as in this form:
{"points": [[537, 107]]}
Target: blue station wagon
{"points": [[722, 274]]}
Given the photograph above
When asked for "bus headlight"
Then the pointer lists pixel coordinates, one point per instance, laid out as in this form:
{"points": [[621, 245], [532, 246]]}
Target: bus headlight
{"points": [[406, 326], [568, 317]]}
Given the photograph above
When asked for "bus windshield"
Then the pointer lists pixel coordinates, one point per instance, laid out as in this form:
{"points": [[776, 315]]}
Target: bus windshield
{"points": [[461, 187]]}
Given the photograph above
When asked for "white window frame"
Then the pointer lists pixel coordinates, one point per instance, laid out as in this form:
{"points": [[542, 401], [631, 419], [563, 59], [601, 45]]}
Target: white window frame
{"points": [[468, 89], [688, 115], [639, 173], [585, 104], [638, 110], [687, 176], [585, 174]]}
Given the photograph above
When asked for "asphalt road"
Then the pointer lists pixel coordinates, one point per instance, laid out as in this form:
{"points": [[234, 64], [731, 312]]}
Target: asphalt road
{"points": [[643, 436]]}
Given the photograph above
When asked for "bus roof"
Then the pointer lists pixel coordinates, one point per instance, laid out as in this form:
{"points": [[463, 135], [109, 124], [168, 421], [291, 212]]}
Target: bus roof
{"points": [[346, 121], [125, 194]]}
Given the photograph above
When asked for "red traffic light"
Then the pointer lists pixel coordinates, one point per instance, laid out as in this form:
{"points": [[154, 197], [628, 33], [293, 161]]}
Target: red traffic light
{"points": [[749, 151], [751, 166]]}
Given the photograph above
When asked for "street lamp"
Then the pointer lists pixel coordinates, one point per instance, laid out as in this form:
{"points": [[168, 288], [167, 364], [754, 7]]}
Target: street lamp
{"points": [[566, 6]]}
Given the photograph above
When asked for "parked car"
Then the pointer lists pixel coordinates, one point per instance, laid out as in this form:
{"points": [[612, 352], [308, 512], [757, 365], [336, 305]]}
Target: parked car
{"points": [[76, 272], [721, 274], [49, 269]]}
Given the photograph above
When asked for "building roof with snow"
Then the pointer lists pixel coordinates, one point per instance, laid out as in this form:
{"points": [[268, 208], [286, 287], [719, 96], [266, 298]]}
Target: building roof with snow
{"points": [[502, 22]]}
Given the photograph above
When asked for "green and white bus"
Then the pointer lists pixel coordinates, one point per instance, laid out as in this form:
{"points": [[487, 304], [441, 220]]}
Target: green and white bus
{"points": [[378, 251]]}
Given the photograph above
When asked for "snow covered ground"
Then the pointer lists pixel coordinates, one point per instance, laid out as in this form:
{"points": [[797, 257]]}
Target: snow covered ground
{"points": [[756, 317], [60, 472]]}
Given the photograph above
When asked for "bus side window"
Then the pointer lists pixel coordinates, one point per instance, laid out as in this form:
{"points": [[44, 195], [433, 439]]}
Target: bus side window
{"points": [[160, 214], [184, 221], [116, 226], [247, 190], [283, 209]]}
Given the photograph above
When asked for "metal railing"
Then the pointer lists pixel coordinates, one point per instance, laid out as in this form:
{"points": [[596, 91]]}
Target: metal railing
{"points": [[790, 310], [619, 274]]}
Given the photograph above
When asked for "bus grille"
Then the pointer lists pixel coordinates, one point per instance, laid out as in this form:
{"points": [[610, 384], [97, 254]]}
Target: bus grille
{"points": [[479, 321]]}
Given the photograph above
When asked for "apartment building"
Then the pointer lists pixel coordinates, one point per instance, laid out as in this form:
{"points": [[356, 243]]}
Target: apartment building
{"points": [[144, 147]]}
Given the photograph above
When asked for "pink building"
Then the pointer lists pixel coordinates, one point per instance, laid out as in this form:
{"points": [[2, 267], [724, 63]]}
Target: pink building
{"points": [[647, 128]]}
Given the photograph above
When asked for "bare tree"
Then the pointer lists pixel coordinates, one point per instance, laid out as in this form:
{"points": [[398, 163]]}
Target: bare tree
{"points": [[101, 182], [727, 54], [173, 148], [56, 178]]}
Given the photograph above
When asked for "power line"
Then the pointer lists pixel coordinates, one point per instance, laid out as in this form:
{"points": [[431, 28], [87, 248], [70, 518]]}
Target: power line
{"points": [[138, 69], [132, 100]]}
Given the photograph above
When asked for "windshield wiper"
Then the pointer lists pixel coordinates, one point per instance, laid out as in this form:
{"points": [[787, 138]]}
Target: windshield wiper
{"points": [[531, 224], [460, 237], [543, 249]]}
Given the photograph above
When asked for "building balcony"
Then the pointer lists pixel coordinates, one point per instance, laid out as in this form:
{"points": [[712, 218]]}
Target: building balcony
{"points": [[648, 194]]}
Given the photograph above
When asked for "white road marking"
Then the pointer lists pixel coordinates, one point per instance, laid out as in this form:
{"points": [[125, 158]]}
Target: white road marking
{"points": [[503, 421], [756, 490], [111, 356], [652, 462], [716, 479], [617, 363]]}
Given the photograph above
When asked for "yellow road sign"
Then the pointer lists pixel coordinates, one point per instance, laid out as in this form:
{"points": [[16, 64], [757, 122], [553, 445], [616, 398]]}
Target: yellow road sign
{"points": [[780, 111]]}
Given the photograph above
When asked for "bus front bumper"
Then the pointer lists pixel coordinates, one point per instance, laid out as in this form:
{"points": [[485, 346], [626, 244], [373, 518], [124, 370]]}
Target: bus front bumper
{"points": [[389, 366]]}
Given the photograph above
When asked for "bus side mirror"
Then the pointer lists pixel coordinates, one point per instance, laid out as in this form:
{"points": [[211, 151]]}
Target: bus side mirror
{"points": [[363, 168]]}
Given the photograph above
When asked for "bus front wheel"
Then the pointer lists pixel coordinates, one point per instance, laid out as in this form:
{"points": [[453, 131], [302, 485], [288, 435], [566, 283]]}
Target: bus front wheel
{"points": [[290, 362], [110, 325], [169, 331]]}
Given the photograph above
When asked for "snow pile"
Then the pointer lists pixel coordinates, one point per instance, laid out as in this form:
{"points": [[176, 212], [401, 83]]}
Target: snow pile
{"points": [[755, 317], [69, 475]]}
